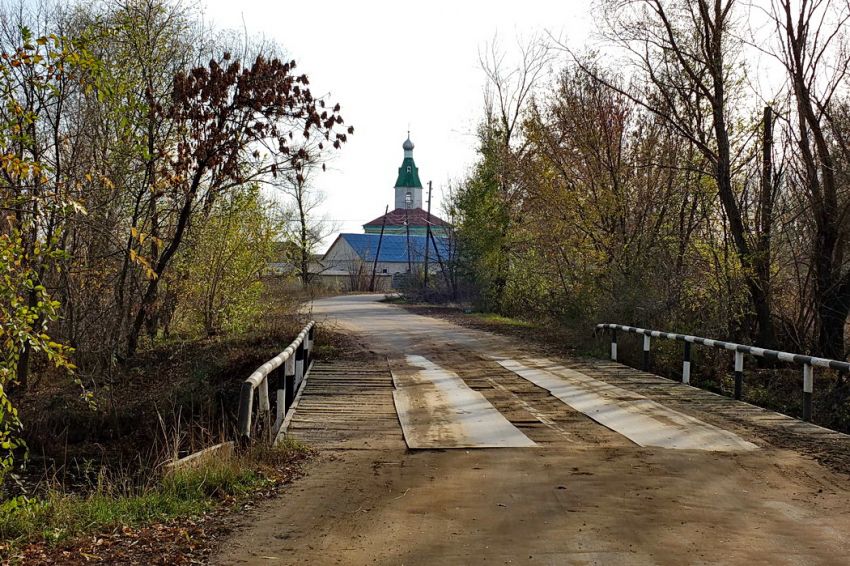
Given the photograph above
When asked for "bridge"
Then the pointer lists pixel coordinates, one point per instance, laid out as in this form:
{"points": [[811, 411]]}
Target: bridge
{"points": [[448, 445]]}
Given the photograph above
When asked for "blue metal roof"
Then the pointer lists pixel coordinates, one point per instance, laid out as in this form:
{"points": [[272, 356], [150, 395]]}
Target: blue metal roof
{"points": [[394, 247]]}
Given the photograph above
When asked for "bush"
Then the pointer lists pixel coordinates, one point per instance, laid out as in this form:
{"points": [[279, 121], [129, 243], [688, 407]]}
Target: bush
{"points": [[217, 281]]}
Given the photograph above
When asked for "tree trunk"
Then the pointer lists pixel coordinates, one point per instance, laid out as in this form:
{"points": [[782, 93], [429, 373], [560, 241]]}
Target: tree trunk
{"points": [[832, 311], [723, 175], [305, 245], [831, 301], [766, 336], [149, 297], [23, 369]]}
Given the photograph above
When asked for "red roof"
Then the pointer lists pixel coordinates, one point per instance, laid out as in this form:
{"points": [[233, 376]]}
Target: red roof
{"points": [[415, 217]]}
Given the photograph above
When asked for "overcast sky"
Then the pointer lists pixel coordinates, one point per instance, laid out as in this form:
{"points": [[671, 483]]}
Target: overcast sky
{"points": [[390, 64]]}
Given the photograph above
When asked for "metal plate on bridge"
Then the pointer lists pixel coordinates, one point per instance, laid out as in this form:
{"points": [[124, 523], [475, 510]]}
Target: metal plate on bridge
{"points": [[438, 410], [641, 420]]}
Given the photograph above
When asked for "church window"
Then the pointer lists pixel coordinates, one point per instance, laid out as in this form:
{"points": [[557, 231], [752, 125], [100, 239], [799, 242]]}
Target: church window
{"points": [[408, 168]]}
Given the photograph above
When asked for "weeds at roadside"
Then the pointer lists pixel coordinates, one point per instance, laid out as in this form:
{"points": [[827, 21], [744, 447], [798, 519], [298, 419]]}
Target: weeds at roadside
{"points": [[96, 484], [58, 517], [502, 320]]}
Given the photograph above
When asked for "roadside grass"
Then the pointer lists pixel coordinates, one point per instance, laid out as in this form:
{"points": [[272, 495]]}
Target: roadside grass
{"points": [[98, 474], [553, 337], [57, 516], [494, 318]]}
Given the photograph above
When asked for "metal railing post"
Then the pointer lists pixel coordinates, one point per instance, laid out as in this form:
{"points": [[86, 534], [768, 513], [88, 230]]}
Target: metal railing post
{"points": [[686, 364], [808, 388], [280, 409], [276, 384], [613, 345], [739, 374], [645, 363]]}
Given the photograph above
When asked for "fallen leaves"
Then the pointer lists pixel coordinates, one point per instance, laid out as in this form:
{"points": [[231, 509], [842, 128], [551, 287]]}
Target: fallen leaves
{"points": [[188, 540]]}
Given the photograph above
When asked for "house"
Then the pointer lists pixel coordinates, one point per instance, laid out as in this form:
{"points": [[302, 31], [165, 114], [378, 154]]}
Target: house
{"points": [[393, 258], [394, 253]]}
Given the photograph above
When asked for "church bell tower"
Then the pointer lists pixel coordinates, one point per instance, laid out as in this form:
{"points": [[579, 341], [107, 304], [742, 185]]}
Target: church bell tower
{"points": [[408, 182]]}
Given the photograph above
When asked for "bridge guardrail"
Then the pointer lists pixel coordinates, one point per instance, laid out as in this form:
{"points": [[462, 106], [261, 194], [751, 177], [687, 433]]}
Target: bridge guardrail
{"points": [[808, 362], [295, 361]]}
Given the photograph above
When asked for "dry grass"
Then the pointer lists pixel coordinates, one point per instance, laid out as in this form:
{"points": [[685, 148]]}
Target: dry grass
{"points": [[176, 397], [59, 519]]}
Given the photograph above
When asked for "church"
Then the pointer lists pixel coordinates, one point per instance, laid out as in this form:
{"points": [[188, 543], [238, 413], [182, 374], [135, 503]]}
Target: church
{"points": [[397, 239], [408, 212]]}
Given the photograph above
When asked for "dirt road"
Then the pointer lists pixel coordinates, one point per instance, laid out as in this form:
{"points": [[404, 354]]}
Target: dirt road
{"points": [[583, 494]]}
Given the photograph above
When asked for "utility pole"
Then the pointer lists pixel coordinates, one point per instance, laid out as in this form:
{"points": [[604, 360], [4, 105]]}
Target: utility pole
{"points": [[442, 267], [407, 198], [378, 253], [427, 236]]}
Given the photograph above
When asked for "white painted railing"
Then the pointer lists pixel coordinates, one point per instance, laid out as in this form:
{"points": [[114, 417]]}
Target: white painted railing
{"points": [[287, 370], [808, 362]]}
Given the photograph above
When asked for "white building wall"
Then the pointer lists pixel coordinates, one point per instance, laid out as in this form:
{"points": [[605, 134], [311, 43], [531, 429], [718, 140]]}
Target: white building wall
{"points": [[339, 251]]}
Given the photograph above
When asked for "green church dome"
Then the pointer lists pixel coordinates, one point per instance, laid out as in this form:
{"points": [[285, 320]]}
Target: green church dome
{"points": [[408, 173]]}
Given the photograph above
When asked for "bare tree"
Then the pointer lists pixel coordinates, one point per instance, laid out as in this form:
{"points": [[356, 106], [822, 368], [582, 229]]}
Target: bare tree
{"points": [[509, 88], [223, 112], [509, 85], [812, 46], [686, 61], [304, 226]]}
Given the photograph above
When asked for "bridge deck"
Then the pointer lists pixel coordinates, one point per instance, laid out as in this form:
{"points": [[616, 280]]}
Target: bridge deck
{"points": [[754, 423], [347, 405], [584, 494]]}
